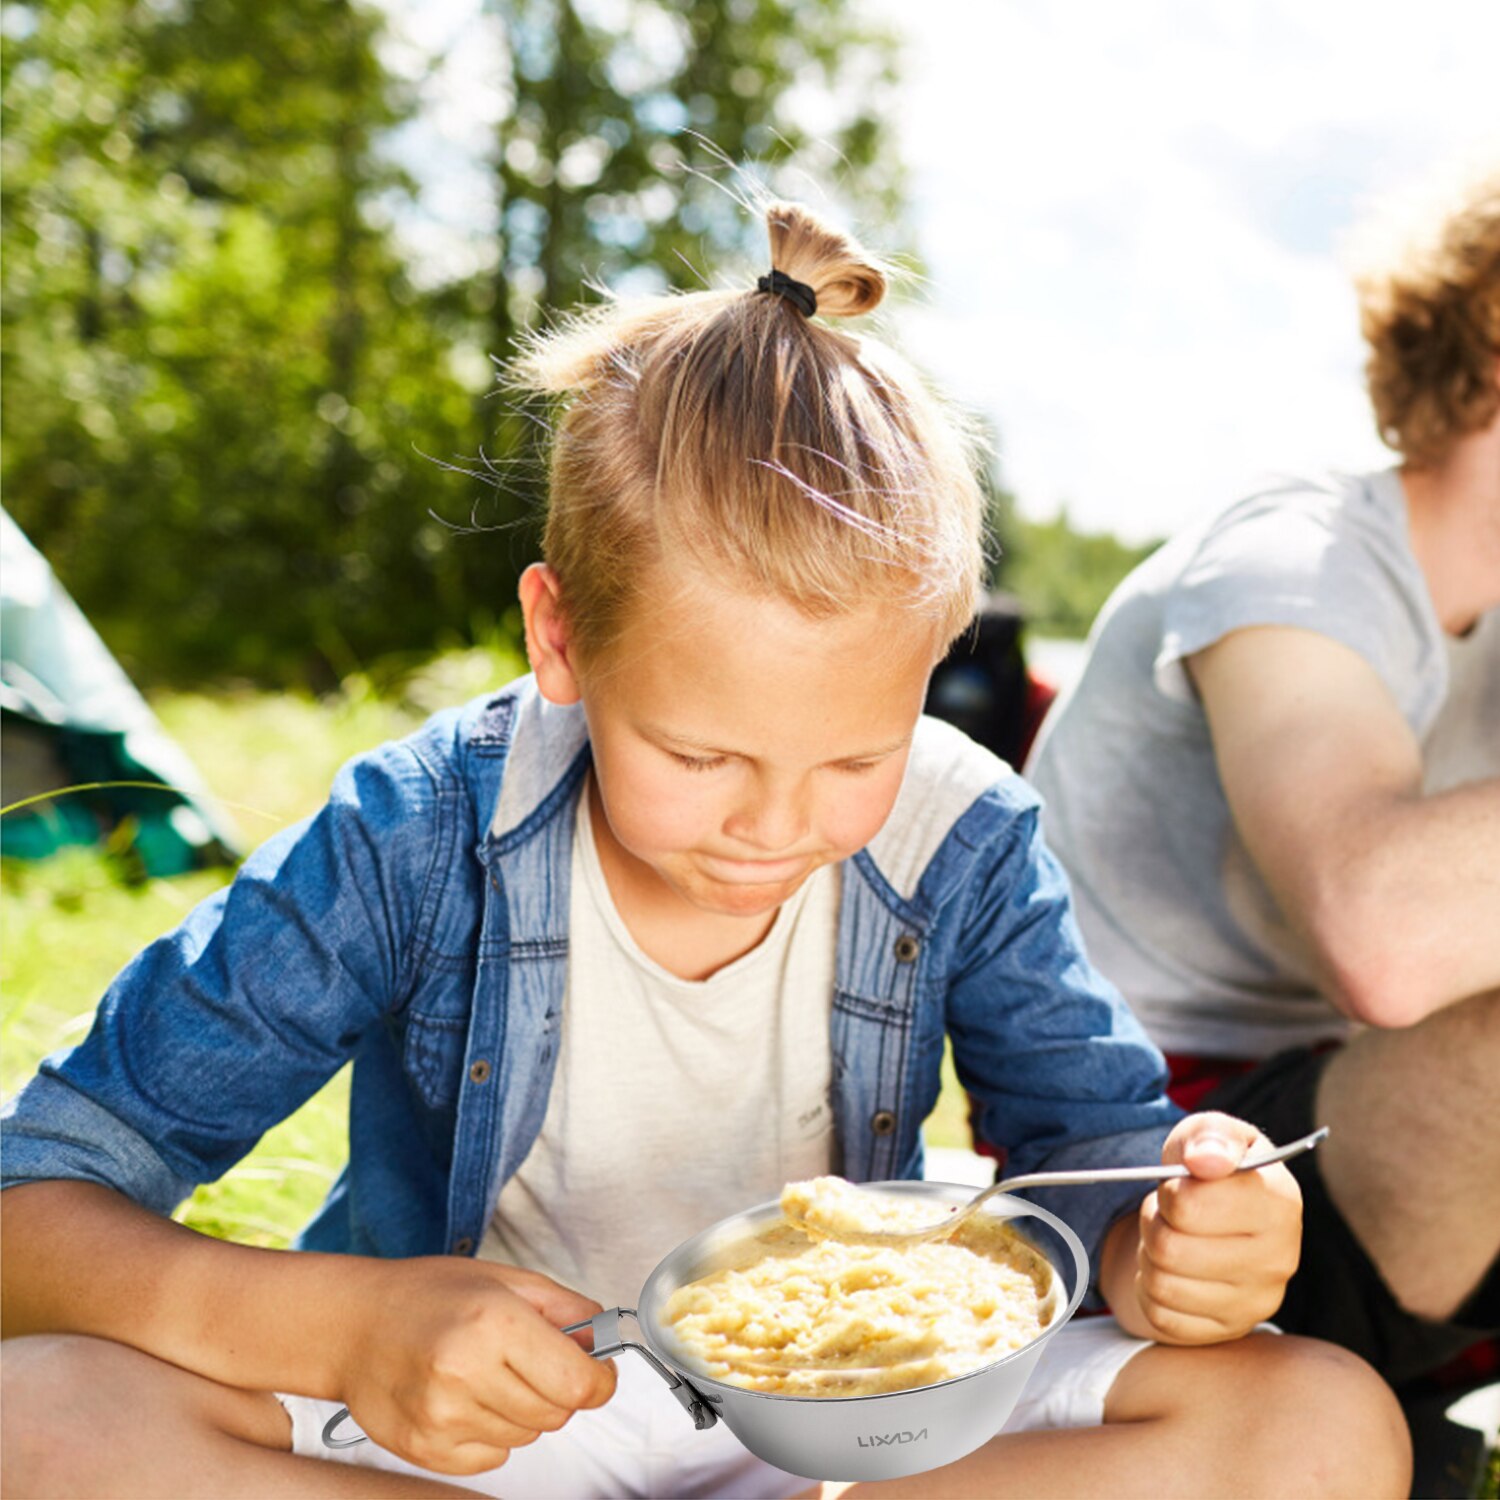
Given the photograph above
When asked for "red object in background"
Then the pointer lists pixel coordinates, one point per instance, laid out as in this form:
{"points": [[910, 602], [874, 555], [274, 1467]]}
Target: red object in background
{"points": [[1190, 1080], [1040, 696]]}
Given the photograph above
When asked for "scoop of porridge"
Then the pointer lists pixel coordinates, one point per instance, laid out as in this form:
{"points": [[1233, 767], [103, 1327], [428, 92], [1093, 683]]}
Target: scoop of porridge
{"points": [[802, 1316]]}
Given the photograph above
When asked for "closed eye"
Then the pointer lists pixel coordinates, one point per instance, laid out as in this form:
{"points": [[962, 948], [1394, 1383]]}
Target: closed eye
{"points": [[698, 762], [857, 767]]}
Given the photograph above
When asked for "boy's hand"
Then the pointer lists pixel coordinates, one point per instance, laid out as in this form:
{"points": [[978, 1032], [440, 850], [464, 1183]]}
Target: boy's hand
{"points": [[1217, 1248], [452, 1363]]}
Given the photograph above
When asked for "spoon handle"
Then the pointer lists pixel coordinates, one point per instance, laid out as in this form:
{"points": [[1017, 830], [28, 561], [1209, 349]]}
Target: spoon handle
{"points": [[1138, 1174]]}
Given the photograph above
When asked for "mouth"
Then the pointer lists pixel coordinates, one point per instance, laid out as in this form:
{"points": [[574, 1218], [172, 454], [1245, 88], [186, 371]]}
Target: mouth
{"points": [[754, 871]]}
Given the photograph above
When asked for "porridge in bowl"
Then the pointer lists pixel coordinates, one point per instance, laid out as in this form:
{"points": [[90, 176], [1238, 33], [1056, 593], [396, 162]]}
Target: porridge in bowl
{"points": [[798, 1315]]}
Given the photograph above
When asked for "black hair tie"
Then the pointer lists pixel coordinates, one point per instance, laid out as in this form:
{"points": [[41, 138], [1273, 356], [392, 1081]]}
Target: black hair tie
{"points": [[798, 293]]}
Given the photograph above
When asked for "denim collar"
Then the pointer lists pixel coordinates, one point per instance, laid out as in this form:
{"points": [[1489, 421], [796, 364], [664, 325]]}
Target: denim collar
{"points": [[547, 740]]}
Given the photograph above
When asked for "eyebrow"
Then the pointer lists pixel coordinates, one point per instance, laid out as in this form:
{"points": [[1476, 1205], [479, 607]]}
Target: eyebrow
{"points": [[703, 747]]}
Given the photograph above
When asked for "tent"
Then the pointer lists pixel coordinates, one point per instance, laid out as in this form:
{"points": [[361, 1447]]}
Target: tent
{"points": [[70, 716]]}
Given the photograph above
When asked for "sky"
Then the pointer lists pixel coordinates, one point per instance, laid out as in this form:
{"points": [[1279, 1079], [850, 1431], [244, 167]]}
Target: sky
{"points": [[1133, 219]]}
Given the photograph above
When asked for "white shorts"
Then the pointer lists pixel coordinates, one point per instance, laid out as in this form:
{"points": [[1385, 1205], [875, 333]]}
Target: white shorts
{"points": [[643, 1443]]}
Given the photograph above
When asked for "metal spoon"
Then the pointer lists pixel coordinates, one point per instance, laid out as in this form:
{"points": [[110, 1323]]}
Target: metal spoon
{"points": [[1041, 1179]]}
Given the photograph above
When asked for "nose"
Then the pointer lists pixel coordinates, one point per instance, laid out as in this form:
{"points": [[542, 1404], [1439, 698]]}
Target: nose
{"points": [[772, 818]]}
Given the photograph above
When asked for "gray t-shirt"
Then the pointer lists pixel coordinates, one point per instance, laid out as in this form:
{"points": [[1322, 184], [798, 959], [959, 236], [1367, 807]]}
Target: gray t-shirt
{"points": [[1170, 905]]}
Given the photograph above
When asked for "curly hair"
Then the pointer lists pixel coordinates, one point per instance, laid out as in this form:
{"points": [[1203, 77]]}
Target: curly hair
{"points": [[1431, 316]]}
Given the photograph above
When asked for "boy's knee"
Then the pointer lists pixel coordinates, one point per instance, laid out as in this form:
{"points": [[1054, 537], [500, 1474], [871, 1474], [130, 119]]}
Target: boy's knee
{"points": [[1343, 1422], [1284, 1415], [81, 1414], [46, 1390]]}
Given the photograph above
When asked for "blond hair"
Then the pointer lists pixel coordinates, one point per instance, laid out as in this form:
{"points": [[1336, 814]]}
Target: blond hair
{"points": [[726, 430], [1430, 313]]}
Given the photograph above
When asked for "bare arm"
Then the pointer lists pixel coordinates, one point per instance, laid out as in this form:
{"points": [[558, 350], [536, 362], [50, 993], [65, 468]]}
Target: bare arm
{"points": [[81, 1258], [446, 1361], [1396, 894]]}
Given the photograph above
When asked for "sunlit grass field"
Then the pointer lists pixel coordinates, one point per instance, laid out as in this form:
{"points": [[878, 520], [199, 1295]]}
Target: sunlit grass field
{"points": [[67, 925]]}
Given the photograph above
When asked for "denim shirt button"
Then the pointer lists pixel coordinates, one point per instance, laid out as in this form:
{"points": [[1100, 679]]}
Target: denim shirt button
{"points": [[907, 948], [479, 1072], [465, 1246], [883, 1122]]}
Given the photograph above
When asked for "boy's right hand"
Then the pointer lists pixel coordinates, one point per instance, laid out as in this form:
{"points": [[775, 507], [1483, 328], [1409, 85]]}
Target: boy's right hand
{"points": [[452, 1363]]}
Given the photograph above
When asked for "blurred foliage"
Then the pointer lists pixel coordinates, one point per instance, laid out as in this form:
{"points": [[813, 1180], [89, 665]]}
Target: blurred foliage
{"points": [[1062, 577], [221, 373], [203, 432]]}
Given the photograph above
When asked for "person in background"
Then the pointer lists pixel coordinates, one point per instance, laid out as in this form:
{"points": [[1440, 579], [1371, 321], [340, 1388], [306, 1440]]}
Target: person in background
{"points": [[1276, 788]]}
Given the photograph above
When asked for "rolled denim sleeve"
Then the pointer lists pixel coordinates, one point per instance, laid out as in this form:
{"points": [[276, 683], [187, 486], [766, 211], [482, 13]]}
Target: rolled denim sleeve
{"points": [[227, 1024], [1063, 1074]]}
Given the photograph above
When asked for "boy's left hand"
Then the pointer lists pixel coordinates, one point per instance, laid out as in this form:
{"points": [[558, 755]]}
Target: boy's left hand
{"points": [[1217, 1248]]}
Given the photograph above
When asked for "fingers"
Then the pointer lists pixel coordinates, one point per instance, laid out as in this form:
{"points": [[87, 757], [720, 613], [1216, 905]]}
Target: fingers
{"points": [[1217, 1201], [564, 1380], [478, 1367], [1246, 1203], [509, 1397], [450, 1438], [472, 1458], [469, 1429], [558, 1371], [558, 1304], [1210, 1145], [1182, 1310], [1242, 1262], [556, 1368], [1215, 1256], [1170, 1325], [1232, 1304], [467, 1456]]}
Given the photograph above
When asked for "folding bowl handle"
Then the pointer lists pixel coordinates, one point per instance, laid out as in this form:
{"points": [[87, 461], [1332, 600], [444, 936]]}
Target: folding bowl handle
{"points": [[605, 1328], [332, 1425]]}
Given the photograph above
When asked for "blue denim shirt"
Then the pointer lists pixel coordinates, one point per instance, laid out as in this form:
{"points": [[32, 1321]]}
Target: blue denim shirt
{"points": [[418, 924]]}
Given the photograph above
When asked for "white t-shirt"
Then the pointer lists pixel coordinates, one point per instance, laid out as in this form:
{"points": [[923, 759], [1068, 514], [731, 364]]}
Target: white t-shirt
{"points": [[676, 1102], [1171, 907]]}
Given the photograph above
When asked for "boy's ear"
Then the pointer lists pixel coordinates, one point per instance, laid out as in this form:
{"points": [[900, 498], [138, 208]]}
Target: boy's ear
{"points": [[548, 642]]}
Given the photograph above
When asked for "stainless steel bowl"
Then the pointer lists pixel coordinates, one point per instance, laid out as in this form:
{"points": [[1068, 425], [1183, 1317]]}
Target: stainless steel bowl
{"points": [[847, 1437], [836, 1437]]}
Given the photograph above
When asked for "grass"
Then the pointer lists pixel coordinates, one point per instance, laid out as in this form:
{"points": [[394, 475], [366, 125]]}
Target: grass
{"points": [[69, 924]]}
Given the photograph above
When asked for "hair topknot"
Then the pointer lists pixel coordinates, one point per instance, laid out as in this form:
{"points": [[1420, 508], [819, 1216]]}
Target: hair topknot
{"points": [[847, 281], [723, 430]]}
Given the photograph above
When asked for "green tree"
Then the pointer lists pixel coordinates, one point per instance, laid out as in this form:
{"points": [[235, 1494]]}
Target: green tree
{"points": [[1062, 576], [221, 375], [216, 362]]}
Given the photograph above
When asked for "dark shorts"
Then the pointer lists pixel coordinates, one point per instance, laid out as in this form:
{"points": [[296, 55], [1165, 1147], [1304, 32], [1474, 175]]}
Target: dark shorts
{"points": [[1337, 1294]]}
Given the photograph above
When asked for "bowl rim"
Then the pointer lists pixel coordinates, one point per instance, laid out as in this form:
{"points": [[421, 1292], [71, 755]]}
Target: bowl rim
{"points": [[706, 1385]]}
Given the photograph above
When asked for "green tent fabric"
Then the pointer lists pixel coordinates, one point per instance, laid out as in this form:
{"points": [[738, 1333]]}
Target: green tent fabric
{"points": [[68, 716]]}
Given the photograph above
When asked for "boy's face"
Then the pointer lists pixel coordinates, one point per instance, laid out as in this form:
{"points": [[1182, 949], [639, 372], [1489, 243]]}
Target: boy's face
{"points": [[739, 745]]}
